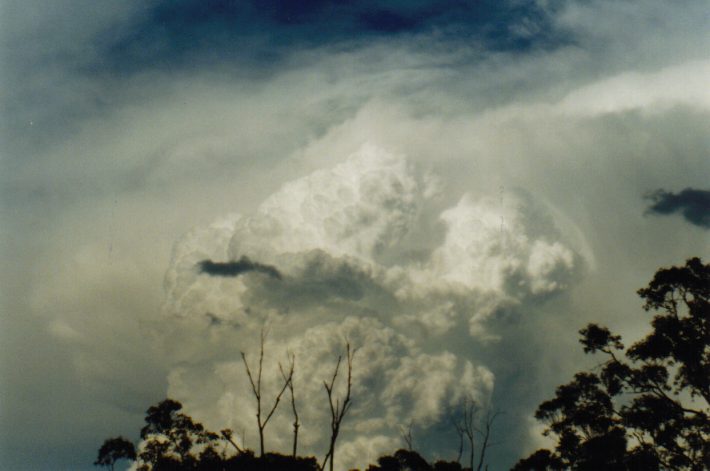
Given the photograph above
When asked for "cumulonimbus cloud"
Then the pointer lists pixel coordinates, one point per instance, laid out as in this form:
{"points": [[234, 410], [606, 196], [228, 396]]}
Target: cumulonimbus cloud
{"points": [[352, 269], [693, 204]]}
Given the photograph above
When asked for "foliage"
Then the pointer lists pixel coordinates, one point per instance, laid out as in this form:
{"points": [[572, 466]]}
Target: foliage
{"points": [[651, 410], [173, 441], [114, 449], [170, 438], [408, 460], [272, 461]]}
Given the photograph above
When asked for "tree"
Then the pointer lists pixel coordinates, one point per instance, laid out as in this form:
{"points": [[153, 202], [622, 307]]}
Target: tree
{"points": [[409, 460], [263, 416], [338, 409], [406, 434], [485, 432], [288, 377], [170, 438], [464, 429], [114, 449], [401, 460], [650, 411], [469, 425]]}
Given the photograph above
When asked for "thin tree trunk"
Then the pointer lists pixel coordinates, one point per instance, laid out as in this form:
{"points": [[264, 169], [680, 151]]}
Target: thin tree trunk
{"points": [[486, 433], [337, 410], [256, 389], [296, 422]]}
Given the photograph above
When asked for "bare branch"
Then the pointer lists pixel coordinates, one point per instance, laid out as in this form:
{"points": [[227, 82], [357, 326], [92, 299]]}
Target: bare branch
{"points": [[227, 434], [289, 377], [407, 435], [338, 409], [256, 389], [470, 409], [459, 431], [486, 434], [276, 401], [261, 359], [251, 379]]}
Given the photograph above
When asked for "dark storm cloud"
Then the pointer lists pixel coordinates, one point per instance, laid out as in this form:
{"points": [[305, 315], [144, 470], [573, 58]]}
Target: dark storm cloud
{"points": [[173, 34], [77, 66], [236, 268], [693, 204]]}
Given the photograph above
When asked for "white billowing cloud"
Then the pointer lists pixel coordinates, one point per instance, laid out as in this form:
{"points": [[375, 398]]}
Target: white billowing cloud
{"points": [[356, 209], [342, 241], [488, 243], [496, 253], [184, 297], [422, 384], [394, 383], [341, 235]]}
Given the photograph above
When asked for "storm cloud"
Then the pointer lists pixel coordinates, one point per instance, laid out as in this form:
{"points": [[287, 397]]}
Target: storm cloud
{"points": [[452, 186], [343, 237], [692, 204]]}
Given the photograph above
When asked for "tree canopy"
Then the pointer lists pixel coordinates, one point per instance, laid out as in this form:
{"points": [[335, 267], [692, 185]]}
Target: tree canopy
{"points": [[113, 450], [646, 407]]}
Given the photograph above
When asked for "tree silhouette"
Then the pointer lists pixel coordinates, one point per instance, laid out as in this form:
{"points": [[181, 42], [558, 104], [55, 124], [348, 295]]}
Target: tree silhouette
{"points": [[409, 460], [338, 409], [173, 441], [470, 426], [114, 449], [170, 439], [288, 377], [464, 426], [650, 411], [263, 416], [406, 434]]}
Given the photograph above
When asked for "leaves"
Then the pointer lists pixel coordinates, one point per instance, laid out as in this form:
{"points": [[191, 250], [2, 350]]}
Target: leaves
{"points": [[599, 338], [171, 436], [114, 449], [638, 413]]}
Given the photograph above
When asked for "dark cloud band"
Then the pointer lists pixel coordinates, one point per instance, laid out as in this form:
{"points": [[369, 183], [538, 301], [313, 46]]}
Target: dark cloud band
{"points": [[259, 32], [693, 204], [236, 268]]}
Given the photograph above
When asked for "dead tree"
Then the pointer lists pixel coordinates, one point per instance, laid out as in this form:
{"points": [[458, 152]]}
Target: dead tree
{"points": [[263, 417], [459, 431], [338, 409], [485, 433], [470, 410], [469, 426], [406, 434], [227, 434], [289, 377]]}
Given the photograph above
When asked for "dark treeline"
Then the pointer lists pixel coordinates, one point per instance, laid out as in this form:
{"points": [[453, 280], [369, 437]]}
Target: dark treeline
{"points": [[643, 408], [173, 441]]}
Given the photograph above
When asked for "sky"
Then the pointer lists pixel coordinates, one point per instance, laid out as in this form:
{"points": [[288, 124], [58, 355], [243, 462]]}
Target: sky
{"points": [[453, 187]]}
